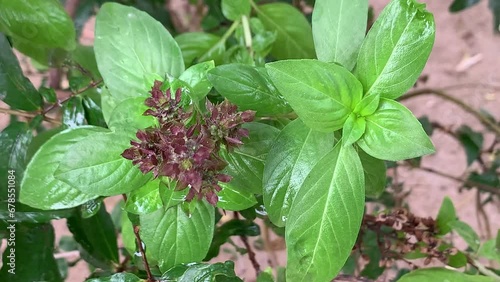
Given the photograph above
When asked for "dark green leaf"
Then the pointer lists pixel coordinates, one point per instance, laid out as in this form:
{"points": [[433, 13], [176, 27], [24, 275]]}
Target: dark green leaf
{"points": [[94, 166], [129, 47], [172, 237], [40, 22], [459, 5], [246, 163], [371, 249], [466, 232], [393, 133], [472, 142], [84, 56], [200, 272], [73, 113], [48, 94], [339, 28], [442, 274], [93, 112], [234, 9], [233, 227], [196, 78], [15, 89], [375, 174], [249, 88], [39, 187], [145, 199], [322, 94], [294, 37], [325, 217], [494, 6], [292, 156], [118, 277], [265, 277], [458, 260], [446, 215], [427, 125], [396, 49], [199, 47], [14, 141], [96, 235], [33, 259]]}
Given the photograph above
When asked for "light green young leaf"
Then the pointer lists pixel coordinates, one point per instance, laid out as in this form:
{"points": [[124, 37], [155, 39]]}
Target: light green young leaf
{"points": [[442, 274], [199, 47], [394, 134], [322, 94], [375, 174], [396, 49], [39, 188], [128, 115], [145, 199], [173, 237], [94, 166], [353, 129], [196, 78], [40, 22], [234, 9], [233, 199], [294, 37], [466, 232], [339, 28], [292, 156], [446, 214], [368, 105], [325, 217], [130, 46], [249, 88]]}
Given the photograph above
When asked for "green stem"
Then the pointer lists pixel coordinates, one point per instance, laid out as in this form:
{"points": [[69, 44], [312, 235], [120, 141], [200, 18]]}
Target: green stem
{"points": [[442, 94], [247, 34], [222, 41]]}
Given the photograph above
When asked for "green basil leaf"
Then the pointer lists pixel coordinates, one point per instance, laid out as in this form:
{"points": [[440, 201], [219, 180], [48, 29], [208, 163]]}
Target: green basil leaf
{"points": [[368, 105], [128, 115], [96, 235], [234, 9], [442, 274], [169, 196], [233, 227], [130, 46], [396, 49], [196, 78], [121, 277], [73, 113], [246, 163], [233, 199], [94, 166], [292, 156], [490, 250], [446, 214], [173, 237], [48, 94], [41, 22], [39, 188], [322, 94], [466, 232], [249, 88], [15, 89], [339, 28], [325, 217], [353, 129], [394, 134], [294, 37], [145, 199], [85, 57], [201, 47], [199, 272], [33, 252], [375, 174]]}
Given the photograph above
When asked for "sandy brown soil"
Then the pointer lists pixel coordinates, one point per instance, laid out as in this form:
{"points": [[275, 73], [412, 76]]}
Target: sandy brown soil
{"points": [[466, 51]]}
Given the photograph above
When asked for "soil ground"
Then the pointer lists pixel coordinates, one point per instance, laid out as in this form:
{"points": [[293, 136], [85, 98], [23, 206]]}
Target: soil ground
{"points": [[466, 52]]}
